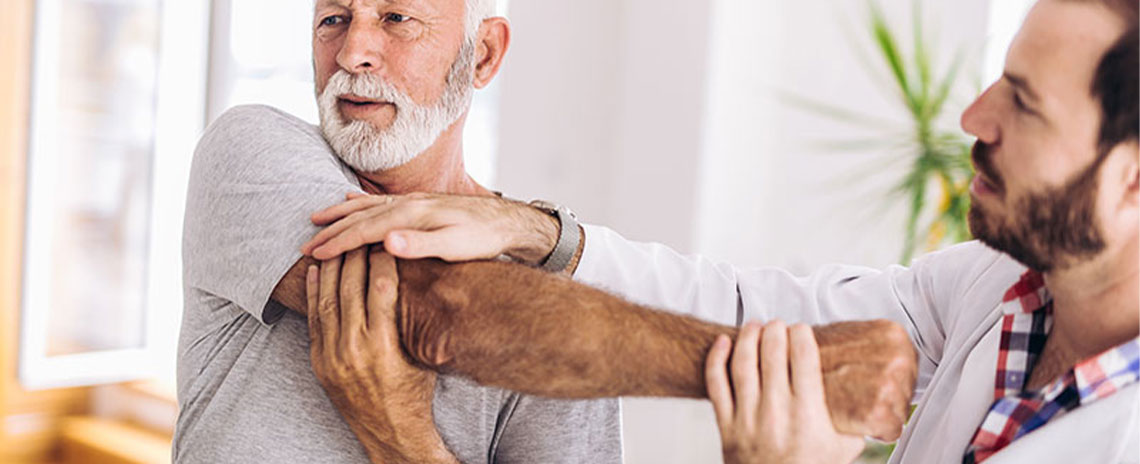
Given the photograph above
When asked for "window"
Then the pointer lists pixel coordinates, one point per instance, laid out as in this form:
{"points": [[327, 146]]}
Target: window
{"points": [[114, 118]]}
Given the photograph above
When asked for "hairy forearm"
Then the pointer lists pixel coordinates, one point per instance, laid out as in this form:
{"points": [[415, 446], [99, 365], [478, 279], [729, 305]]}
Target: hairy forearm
{"points": [[517, 328]]}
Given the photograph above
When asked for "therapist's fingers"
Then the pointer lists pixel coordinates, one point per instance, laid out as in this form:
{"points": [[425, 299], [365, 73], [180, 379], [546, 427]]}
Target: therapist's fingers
{"points": [[328, 304], [807, 377], [717, 383], [774, 365], [353, 282], [745, 376], [312, 287]]}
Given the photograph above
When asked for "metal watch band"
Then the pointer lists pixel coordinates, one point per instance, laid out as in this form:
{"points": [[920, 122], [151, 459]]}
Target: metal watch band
{"points": [[569, 237]]}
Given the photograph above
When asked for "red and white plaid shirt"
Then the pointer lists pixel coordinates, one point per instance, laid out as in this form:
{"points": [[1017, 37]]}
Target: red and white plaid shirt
{"points": [[1027, 321]]}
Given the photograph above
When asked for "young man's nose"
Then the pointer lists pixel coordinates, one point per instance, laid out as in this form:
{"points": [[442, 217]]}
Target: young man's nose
{"points": [[980, 118]]}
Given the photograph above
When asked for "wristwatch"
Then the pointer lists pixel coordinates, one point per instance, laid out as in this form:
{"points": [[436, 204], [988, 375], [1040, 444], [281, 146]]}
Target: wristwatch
{"points": [[569, 237]]}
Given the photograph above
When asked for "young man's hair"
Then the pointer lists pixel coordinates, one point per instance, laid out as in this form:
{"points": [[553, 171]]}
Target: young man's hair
{"points": [[1115, 81]]}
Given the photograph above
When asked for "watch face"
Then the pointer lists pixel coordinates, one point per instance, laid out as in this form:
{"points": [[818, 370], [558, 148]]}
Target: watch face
{"points": [[544, 205]]}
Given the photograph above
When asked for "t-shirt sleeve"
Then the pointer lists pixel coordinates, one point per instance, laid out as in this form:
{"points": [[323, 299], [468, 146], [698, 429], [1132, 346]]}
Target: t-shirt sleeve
{"points": [[257, 176], [561, 431]]}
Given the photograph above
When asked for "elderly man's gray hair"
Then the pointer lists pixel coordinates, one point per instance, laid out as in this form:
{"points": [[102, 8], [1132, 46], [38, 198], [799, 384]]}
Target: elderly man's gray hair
{"points": [[477, 11]]}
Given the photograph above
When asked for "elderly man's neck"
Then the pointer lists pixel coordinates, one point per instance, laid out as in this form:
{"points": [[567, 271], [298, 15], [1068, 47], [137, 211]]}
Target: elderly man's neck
{"points": [[439, 169], [1096, 303]]}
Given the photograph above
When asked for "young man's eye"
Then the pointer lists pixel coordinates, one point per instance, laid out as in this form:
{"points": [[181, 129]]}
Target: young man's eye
{"points": [[1019, 103]]}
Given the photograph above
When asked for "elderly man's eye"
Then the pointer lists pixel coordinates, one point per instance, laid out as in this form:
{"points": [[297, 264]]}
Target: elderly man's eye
{"points": [[332, 21], [396, 18]]}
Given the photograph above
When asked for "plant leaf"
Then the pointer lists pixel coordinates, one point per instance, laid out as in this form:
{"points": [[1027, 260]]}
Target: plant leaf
{"points": [[888, 47]]}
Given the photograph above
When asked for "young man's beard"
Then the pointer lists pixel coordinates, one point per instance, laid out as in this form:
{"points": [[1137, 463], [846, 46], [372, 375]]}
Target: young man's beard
{"points": [[415, 128], [1048, 230]]}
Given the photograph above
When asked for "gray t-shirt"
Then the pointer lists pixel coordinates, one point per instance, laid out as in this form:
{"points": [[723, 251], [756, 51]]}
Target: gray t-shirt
{"points": [[246, 390]]}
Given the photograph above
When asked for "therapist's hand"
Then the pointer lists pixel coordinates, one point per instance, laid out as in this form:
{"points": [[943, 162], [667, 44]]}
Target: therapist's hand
{"points": [[356, 355], [767, 414], [450, 227]]}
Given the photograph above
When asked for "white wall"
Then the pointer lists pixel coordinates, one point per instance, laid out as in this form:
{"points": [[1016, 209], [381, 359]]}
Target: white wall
{"points": [[662, 120]]}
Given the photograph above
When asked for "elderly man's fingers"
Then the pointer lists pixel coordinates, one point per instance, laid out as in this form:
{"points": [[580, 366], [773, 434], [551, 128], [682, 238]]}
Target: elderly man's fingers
{"points": [[774, 365], [328, 304], [745, 370], [382, 293], [312, 290], [807, 378], [353, 285], [717, 383]]}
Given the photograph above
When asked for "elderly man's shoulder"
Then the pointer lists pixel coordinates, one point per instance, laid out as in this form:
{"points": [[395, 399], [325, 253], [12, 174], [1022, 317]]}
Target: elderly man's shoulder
{"points": [[248, 129], [263, 116], [259, 135]]}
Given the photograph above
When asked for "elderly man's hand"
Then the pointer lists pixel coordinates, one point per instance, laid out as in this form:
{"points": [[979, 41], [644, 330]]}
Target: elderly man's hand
{"points": [[773, 410], [450, 227], [356, 355]]}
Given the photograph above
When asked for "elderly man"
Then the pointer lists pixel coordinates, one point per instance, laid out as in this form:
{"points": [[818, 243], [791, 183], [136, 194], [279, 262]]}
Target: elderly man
{"points": [[394, 82], [1028, 339]]}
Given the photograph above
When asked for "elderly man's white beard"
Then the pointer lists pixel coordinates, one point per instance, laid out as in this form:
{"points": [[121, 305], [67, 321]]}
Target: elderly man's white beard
{"points": [[415, 128]]}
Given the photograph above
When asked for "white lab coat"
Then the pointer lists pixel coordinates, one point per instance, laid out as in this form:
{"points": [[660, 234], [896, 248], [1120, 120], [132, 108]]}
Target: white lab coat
{"points": [[948, 302]]}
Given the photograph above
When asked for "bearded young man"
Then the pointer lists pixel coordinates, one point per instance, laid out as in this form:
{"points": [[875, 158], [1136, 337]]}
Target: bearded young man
{"points": [[1028, 339]]}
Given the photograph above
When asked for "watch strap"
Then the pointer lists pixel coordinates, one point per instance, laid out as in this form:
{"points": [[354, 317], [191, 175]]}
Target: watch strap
{"points": [[569, 237]]}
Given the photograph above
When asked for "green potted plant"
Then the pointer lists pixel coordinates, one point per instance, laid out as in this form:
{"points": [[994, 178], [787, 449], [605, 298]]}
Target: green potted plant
{"points": [[936, 186]]}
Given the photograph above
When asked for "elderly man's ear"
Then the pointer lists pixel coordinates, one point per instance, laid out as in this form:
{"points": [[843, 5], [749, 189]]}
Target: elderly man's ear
{"points": [[494, 39]]}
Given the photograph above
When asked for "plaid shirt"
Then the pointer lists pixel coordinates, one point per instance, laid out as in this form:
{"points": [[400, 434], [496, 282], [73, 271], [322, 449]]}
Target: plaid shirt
{"points": [[1027, 321]]}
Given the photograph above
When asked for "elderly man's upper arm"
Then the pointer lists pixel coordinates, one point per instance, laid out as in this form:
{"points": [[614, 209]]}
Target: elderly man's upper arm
{"points": [[257, 176], [290, 290]]}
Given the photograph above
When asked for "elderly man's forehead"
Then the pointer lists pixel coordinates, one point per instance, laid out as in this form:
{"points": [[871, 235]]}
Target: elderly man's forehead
{"points": [[1061, 43], [426, 3]]}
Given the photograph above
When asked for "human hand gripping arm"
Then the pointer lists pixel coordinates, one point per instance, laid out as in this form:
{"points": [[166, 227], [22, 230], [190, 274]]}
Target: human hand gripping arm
{"points": [[356, 355], [525, 330], [765, 417]]}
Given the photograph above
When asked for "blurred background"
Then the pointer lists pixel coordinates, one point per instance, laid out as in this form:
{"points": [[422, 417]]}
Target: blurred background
{"points": [[761, 132]]}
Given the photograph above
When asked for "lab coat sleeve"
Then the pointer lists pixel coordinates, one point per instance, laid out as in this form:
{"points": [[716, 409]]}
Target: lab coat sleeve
{"points": [[652, 274]]}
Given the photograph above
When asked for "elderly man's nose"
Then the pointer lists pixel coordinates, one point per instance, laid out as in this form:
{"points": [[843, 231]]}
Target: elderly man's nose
{"points": [[362, 48]]}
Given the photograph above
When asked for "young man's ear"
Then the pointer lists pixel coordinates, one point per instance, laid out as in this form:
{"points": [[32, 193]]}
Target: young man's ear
{"points": [[1132, 169], [494, 39]]}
